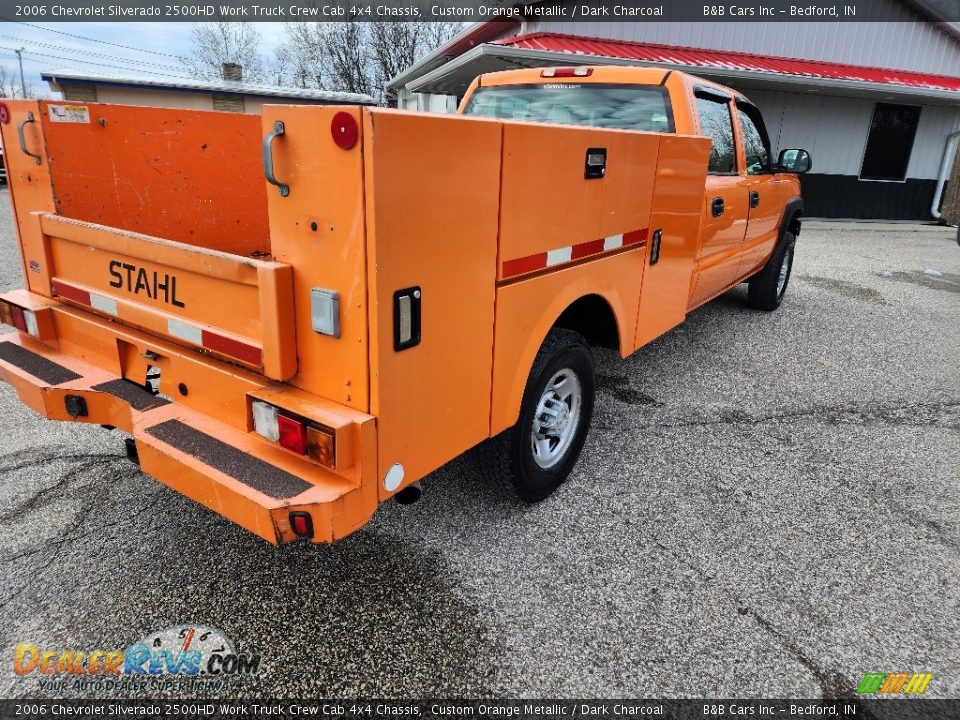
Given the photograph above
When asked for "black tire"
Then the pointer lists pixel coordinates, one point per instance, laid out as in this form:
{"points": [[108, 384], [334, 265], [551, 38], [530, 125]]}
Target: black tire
{"points": [[764, 290], [509, 457]]}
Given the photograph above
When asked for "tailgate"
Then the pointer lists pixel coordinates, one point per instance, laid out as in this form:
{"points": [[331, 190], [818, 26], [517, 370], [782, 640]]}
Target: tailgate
{"points": [[236, 307], [156, 218]]}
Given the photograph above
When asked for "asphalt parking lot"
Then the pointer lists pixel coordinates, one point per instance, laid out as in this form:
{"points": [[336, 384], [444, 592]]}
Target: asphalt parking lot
{"points": [[767, 505]]}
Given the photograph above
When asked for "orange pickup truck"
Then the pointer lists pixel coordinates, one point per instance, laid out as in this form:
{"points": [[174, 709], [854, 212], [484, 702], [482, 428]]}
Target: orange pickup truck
{"points": [[296, 316]]}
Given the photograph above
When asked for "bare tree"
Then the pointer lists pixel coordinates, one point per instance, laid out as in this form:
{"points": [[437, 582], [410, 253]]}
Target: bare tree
{"points": [[6, 83], [304, 55], [396, 46], [346, 55], [331, 55], [217, 43], [359, 56], [10, 85]]}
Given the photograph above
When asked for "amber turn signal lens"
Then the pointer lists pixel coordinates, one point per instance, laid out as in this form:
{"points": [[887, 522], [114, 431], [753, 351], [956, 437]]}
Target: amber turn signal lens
{"points": [[321, 446]]}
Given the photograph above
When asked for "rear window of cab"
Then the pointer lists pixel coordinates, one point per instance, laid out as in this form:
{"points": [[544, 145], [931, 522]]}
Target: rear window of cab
{"points": [[622, 107]]}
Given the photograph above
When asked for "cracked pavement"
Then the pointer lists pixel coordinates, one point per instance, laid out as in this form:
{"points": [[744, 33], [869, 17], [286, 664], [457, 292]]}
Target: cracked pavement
{"points": [[767, 505]]}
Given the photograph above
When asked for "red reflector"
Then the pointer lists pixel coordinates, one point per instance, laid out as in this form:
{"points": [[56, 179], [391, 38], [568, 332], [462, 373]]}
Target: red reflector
{"points": [[293, 434], [301, 523], [69, 292], [19, 321], [4, 113], [234, 348], [344, 130]]}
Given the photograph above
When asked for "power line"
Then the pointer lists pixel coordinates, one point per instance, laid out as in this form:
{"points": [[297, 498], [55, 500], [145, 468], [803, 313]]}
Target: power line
{"points": [[90, 53], [90, 39], [90, 62]]}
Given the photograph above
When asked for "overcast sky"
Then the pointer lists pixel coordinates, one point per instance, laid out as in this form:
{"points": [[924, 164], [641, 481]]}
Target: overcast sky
{"points": [[141, 49]]}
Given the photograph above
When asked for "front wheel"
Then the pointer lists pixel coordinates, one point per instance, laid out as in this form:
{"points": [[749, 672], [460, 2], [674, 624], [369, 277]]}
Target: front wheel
{"points": [[537, 454], [767, 288]]}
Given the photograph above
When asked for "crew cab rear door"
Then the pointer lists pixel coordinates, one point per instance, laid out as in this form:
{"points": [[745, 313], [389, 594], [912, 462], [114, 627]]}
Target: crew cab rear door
{"points": [[726, 198]]}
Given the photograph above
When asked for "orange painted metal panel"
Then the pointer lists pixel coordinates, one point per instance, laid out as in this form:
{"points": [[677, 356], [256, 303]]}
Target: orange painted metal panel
{"points": [[547, 204], [763, 227], [151, 282], [193, 177], [30, 189], [337, 504], [677, 209], [528, 308], [319, 230], [432, 194]]}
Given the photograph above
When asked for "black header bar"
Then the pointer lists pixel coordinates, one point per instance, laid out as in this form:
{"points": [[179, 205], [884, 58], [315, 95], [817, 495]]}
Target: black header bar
{"points": [[481, 10]]}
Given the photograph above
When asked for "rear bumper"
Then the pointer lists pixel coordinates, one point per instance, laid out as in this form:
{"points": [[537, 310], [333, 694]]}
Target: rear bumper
{"points": [[228, 470]]}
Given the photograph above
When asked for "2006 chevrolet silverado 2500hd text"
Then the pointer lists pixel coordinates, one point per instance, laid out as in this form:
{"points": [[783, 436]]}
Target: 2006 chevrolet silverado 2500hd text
{"points": [[292, 352]]}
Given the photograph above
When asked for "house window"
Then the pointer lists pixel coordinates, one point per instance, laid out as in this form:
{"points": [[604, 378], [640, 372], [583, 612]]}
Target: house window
{"points": [[228, 103], [79, 92], [890, 141]]}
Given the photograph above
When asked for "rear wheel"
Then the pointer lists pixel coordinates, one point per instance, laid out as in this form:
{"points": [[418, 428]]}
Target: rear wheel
{"points": [[767, 287], [536, 455]]}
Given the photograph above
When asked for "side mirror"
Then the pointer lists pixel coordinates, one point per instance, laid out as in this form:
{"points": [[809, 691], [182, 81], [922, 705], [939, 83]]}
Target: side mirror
{"points": [[794, 161]]}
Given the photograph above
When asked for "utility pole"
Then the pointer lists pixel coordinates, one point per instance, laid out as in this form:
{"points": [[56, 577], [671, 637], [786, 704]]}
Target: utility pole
{"points": [[23, 85]]}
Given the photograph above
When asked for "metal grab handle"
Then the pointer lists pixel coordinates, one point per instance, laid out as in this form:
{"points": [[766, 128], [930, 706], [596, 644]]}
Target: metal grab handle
{"points": [[23, 140], [268, 159]]}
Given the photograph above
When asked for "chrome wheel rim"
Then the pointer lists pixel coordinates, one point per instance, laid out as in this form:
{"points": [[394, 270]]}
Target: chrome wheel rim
{"points": [[556, 418], [784, 272]]}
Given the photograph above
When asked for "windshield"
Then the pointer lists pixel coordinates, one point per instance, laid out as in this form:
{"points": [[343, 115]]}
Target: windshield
{"points": [[625, 107]]}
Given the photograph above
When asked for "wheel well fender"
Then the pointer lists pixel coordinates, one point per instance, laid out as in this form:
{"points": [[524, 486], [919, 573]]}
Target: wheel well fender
{"points": [[592, 317], [592, 306], [790, 220]]}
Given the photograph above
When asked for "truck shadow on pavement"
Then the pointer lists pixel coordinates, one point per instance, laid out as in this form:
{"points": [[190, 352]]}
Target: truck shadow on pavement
{"points": [[104, 555]]}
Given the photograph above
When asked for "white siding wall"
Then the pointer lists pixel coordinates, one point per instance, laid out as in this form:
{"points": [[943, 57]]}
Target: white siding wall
{"points": [[430, 102], [911, 45], [834, 130], [153, 98], [936, 123], [187, 100]]}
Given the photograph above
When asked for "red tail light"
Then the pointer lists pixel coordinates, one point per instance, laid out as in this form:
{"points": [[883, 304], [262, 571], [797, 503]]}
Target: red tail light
{"points": [[22, 319], [302, 524], [19, 321], [293, 434]]}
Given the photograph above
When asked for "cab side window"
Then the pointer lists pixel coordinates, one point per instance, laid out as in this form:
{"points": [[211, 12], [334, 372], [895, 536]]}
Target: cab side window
{"points": [[717, 124], [755, 145]]}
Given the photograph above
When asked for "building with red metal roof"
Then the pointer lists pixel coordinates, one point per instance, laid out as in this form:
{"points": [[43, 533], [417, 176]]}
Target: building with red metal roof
{"points": [[877, 105]]}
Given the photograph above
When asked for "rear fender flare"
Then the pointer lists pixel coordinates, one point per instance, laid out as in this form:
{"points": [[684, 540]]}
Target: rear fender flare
{"points": [[790, 220]]}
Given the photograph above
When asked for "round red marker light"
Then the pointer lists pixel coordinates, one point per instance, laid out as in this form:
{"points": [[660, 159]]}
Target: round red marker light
{"points": [[4, 113], [344, 130]]}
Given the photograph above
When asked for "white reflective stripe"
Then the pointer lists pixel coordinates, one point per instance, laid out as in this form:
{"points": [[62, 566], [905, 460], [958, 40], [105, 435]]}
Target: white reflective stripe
{"points": [[30, 319], [613, 242], [103, 304], [560, 255], [185, 331]]}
